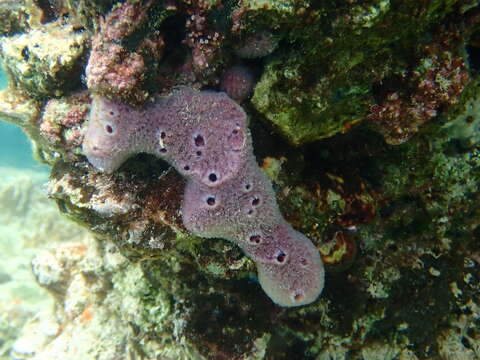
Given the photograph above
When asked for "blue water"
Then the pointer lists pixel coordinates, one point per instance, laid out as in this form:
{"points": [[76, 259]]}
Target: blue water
{"points": [[15, 147]]}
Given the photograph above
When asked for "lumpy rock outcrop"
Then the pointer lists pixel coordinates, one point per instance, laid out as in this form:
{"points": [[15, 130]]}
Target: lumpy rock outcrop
{"points": [[204, 135]]}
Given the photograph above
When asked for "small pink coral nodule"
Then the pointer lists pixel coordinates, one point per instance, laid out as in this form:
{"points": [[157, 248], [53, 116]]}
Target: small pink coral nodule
{"points": [[237, 82]]}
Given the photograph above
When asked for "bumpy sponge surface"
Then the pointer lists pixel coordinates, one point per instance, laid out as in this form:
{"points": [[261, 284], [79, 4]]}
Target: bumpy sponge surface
{"points": [[204, 135]]}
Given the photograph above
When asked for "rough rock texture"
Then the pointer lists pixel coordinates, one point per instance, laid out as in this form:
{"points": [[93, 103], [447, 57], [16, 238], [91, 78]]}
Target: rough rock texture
{"points": [[397, 225], [44, 61], [29, 223], [353, 66]]}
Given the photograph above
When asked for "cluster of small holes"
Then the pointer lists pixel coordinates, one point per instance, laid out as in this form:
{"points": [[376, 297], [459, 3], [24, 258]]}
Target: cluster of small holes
{"points": [[255, 239]]}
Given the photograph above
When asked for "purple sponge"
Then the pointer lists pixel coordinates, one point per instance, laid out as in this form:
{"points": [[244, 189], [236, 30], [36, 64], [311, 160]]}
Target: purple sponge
{"points": [[204, 135], [244, 211]]}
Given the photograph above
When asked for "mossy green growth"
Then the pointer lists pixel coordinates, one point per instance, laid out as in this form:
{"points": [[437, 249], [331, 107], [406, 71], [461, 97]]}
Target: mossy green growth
{"points": [[321, 80], [306, 116], [463, 125], [279, 7], [13, 17], [45, 62]]}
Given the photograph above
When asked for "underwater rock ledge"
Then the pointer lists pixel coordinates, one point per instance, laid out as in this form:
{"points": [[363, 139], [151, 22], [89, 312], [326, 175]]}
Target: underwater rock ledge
{"points": [[364, 117]]}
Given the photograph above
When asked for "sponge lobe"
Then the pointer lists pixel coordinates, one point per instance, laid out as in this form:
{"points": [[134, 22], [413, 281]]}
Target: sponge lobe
{"points": [[110, 136], [236, 212], [294, 275], [204, 135], [289, 266]]}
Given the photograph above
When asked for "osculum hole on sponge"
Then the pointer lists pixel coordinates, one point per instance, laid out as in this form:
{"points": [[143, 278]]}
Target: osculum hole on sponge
{"points": [[281, 257], [199, 141], [256, 239]]}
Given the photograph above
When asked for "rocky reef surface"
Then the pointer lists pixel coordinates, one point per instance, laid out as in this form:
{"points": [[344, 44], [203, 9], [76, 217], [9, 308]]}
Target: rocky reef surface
{"points": [[363, 114], [29, 226]]}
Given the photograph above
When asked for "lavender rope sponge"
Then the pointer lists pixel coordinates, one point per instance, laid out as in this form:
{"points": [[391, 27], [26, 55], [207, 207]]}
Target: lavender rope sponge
{"points": [[204, 135]]}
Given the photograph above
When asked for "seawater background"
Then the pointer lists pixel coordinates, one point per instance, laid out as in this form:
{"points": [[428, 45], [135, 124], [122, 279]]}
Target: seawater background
{"points": [[15, 148], [31, 227], [21, 201]]}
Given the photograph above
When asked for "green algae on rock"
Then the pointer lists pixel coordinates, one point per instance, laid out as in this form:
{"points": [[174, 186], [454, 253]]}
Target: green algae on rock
{"points": [[45, 62], [13, 17], [319, 86]]}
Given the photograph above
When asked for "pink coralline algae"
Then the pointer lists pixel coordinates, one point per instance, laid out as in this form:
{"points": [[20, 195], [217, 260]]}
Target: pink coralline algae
{"points": [[435, 84], [237, 82], [113, 70], [204, 135], [60, 124], [203, 40]]}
